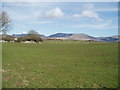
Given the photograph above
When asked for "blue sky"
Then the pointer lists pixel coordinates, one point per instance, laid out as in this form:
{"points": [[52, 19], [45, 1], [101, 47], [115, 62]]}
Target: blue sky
{"points": [[93, 18]]}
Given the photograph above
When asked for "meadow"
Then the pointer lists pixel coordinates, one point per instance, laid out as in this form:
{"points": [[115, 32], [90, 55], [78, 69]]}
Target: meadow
{"points": [[60, 64]]}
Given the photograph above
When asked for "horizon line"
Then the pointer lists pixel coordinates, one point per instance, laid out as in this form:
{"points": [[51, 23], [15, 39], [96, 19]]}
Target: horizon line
{"points": [[68, 33]]}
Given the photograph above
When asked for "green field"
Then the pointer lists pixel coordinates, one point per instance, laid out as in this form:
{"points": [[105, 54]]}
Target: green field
{"points": [[60, 64]]}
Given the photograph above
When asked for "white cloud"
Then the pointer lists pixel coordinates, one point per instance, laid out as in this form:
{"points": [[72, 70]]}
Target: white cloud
{"points": [[89, 6], [54, 13], [105, 25], [36, 13], [20, 26], [89, 14], [29, 5], [92, 7], [24, 32], [106, 9], [21, 33], [21, 15], [97, 26], [16, 15], [60, 0], [40, 22]]}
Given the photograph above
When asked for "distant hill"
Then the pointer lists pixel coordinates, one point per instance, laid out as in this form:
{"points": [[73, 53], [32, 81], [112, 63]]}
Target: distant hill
{"points": [[115, 36], [19, 35], [60, 35], [82, 37], [109, 39], [43, 37]]}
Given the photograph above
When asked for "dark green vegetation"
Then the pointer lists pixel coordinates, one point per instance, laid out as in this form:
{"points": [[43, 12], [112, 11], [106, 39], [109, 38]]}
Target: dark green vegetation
{"points": [[60, 64], [30, 37]]}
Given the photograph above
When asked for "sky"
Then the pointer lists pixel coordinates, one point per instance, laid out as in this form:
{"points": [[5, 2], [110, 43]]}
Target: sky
{"points": [[92, 18]]}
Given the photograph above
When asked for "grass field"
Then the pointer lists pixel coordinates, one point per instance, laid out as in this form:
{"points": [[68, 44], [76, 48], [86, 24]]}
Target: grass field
{"points": [[60, 64]]}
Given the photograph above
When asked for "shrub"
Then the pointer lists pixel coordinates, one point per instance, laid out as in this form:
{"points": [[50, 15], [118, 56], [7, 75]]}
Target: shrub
{"points": [[8, 38], [30, 37]]}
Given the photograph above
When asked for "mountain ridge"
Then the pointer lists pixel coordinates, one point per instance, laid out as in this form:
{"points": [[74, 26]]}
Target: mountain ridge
{"points": [[78, 36]]}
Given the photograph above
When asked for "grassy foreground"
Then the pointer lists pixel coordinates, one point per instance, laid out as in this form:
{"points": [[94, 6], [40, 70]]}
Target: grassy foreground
{"points": [[60, 64]]}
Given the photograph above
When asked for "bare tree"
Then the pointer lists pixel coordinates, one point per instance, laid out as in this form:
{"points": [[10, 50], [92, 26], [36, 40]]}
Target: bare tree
{"points": [[33, 32], [4, 22], [33, 36]]}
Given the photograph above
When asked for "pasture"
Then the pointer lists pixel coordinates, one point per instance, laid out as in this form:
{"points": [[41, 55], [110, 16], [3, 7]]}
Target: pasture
{"points": [[60, 64]]}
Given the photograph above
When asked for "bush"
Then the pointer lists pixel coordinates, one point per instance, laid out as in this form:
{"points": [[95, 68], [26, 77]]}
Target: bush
{"points": [[8, 38], [30, 37]]}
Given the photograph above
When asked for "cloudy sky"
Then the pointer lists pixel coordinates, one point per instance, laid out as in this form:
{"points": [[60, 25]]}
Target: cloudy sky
{"points": [[96, 18]]}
